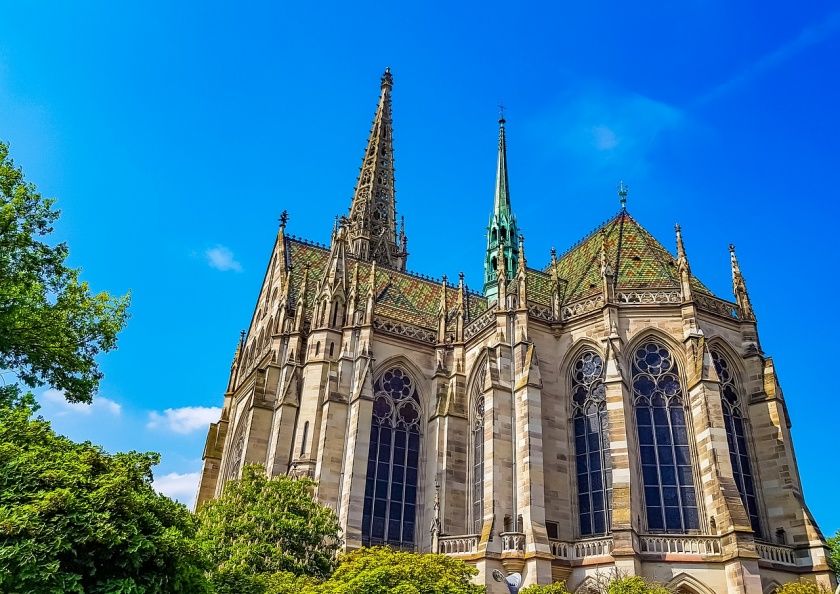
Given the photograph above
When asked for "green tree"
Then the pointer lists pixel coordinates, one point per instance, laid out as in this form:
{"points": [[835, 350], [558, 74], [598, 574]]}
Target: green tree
{"points": [[801, 588], [381, 570], [634, 585], [76, 519], [555, 588], [51, 326], [261, 526], [609, 583], [834, 552]]}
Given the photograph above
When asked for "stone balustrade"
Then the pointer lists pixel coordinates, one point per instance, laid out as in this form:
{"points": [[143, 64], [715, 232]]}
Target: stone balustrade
{"points": [[513, 542], [582, 549], [458, 545], [662, 544], [779, 554]]}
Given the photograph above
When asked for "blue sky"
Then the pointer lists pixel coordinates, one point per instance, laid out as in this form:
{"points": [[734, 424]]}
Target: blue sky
{"points": [[173, 134]]}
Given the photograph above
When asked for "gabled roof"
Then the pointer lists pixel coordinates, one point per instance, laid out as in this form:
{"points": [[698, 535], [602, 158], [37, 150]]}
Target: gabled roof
{"points": [[637, 259]]}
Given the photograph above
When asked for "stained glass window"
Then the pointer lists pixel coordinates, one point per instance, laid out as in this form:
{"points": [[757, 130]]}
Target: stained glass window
{"points": [[592, 456], [389, 516], [736, 436], [661, 420], [478, 452]]}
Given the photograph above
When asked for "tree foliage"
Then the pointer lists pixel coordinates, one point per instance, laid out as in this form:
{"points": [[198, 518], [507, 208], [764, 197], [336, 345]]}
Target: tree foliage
{"points": [[608, 583], [51, 325], [76, 519], [381, 570], [801, 588], [555, 588], [261, 526], [834, 552]]}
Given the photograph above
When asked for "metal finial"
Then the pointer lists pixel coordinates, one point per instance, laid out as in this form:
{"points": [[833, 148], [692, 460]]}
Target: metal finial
{"points": [[387, 78], [284, 218], [502, 113], [623, 190]]}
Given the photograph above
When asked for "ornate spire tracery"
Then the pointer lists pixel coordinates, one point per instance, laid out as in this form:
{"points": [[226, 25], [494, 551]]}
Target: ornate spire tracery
{"points": [[502, 231], [373, 214]]}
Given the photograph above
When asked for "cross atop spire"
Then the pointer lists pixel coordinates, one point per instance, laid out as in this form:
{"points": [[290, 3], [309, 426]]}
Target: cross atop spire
{"points": [[373, 213], [623, 190]]}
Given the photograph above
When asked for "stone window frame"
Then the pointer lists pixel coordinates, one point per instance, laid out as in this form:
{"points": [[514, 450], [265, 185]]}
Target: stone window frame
{"points": [[677, 352], [606, 472], [476, 392], [417, 379], [738, 374]]}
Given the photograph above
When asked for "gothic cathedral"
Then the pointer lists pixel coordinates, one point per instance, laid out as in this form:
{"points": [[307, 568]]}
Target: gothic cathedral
{"points": [[602, 412]]}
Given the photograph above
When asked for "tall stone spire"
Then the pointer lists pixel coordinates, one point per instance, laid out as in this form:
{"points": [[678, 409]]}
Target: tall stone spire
{"points": [[502, 230], [373, 213]]}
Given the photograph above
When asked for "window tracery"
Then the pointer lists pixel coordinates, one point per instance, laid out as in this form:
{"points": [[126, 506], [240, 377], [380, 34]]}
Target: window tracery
{"points": [[589, 417], [389, 516], [739, 455], [477, 434], [668, 476]]}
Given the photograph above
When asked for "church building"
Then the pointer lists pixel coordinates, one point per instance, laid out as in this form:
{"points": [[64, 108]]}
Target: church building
{"points": [[603, 412]]}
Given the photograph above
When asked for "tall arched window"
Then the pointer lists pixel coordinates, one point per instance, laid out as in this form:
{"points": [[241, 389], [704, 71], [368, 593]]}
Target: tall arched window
{"points": [[670, 494], [736, 436], [592, 455], [391, 487], [477, 435]]}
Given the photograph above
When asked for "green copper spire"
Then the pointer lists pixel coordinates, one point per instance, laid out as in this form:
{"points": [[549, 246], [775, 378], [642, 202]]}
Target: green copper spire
{"points": [[502, 228]]}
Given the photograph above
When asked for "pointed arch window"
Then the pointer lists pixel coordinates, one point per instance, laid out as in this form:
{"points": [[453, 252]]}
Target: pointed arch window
{"points": [[592, 456], [670, 494], [389, 516], [477, 434], [739, 455]]}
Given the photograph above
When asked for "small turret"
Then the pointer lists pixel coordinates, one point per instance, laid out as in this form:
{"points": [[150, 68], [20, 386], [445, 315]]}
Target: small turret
{"points": [[683, 266], [739, 287]]}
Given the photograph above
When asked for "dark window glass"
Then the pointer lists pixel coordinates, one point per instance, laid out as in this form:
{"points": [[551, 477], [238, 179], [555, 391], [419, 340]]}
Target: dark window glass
{"points": [[477, 436], [736, 437], [391, 485], [589, 419], [670, 498]]}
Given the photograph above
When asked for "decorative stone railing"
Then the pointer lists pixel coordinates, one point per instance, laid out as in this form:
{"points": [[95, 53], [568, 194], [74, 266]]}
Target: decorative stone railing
{"points": [[581, 307], [513, 542], [779, 554], [458, 545], [482, 322], [717, 306], [389, 326], [540, 312], [679, 545], [581, 549], [648, 297]]}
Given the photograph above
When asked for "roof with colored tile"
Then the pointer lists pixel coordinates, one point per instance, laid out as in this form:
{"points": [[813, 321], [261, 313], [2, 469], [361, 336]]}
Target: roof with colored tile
{"points": [[403, 296], [637, 259]]}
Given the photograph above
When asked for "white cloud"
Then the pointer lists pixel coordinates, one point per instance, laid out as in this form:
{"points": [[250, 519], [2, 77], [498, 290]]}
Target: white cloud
{"points": [[596, 128], [55, 400], [605, 139], [181, 487], [186, 419], [221, 258], [808, 37]]}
